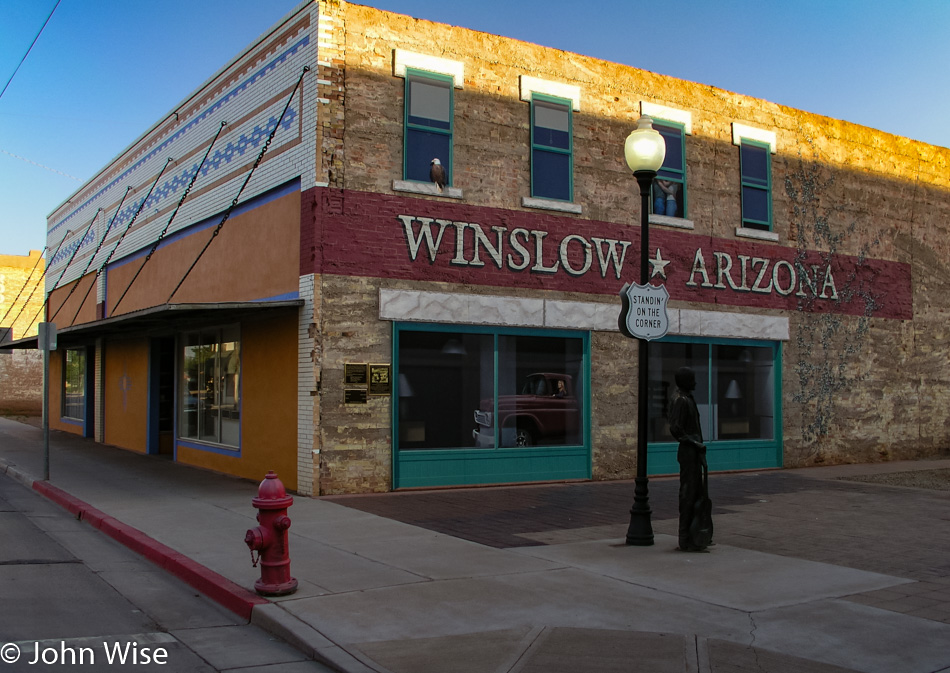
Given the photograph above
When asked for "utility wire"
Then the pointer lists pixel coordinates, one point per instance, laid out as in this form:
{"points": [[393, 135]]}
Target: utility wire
{"points": [[257, 163], [30, 161], [30, 49], [119, 242], [65, 268], [170, 219], [92, 257]]}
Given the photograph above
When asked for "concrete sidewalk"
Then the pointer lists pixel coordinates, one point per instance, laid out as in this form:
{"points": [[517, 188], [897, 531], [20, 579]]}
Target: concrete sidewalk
{"points": [[380, 595]]}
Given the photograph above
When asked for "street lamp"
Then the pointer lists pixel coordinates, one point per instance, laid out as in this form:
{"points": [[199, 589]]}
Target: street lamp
{"points": [[644, 151]]}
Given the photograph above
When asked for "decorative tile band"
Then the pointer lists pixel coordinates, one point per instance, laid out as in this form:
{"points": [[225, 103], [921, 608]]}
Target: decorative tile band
{"points": [[212, 109]]}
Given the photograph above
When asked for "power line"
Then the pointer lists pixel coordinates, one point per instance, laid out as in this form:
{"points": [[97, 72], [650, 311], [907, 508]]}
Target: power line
{"points": [[30, 161], [30, 49]]}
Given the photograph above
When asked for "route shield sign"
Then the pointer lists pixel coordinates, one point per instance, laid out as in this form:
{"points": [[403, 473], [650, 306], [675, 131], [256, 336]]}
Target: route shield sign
{"points": [[643, 313]]}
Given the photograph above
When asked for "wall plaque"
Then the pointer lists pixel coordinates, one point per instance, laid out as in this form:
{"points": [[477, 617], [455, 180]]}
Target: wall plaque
{"points": [[355, 374], [380, 381], [354, 396]]}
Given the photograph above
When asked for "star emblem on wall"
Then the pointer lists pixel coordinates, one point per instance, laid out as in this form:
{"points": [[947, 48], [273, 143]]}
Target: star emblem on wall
{"points": [[659, 265]]}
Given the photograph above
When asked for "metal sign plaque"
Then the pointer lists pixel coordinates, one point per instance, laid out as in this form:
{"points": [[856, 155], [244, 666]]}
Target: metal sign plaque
{"points": [[643, 313], [355, 373]]}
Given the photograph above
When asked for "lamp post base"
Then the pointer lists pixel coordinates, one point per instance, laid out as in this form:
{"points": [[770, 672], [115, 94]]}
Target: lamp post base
{"points": [[640, 531]]}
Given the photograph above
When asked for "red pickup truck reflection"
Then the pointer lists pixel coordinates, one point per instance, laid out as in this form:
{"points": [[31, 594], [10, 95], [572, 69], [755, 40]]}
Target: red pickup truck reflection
{"points": [[545, 412]]}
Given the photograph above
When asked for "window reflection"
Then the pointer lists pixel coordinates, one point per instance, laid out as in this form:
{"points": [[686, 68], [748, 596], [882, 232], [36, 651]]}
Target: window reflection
{"points": [[74, 384], [735, 389], [209, 389], [538, 401], [443, 377], [447, 399]]}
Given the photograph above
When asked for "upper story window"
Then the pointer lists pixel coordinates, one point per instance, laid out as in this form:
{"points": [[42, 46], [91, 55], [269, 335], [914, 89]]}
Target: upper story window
{"points": [[669, 188], [429, 110], [756, 147], [552, 161], [428, 133], [670, 192], [755, 165], [553, 105]]}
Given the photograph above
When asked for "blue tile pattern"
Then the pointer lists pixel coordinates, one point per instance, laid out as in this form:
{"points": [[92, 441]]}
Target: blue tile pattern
{"points": [[237, 148], [67, 250]]}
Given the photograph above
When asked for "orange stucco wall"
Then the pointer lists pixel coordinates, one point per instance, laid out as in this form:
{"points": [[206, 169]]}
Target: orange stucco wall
{"points": [[66, 306], [253, 257], [125, 392], [268, 405]]}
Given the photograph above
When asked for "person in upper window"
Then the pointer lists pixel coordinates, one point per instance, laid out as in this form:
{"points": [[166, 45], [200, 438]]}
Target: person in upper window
{"points": [[664, 197]]}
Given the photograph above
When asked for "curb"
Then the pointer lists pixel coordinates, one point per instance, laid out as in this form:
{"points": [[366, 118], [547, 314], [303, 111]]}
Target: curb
{"points": [[257, 610], [220, 589], [296, 632]]}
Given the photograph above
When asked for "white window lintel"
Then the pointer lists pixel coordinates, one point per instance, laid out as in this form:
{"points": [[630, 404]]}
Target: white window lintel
{"points": [[740, 131], [657, 111], [403, 59], [571, 92]]}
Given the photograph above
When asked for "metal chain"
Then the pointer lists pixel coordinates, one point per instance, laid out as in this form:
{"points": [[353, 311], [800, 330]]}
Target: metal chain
{"points": [[234, 202], [184, 195]]}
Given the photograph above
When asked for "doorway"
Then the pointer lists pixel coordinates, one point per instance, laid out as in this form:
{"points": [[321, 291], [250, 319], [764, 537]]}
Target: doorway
{"points": [[161, 405]]}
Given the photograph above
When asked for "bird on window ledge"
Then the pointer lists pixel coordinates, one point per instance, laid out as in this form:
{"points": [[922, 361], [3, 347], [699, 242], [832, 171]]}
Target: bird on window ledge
{"points": [[437, 173]]}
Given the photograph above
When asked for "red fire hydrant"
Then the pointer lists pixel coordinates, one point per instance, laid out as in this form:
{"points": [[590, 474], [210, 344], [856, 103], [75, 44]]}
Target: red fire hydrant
{"points": [[269, 539]]}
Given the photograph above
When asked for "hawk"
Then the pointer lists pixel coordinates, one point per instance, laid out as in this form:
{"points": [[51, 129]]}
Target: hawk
{"points": [[437, 173]]}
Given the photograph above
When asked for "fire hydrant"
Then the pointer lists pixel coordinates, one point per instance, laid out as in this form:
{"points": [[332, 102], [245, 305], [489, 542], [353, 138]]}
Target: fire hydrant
{"points": [[269, 539]]}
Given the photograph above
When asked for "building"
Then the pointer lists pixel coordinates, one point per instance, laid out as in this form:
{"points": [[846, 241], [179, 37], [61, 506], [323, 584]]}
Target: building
{"points": [[21, 303], [292, 292]]}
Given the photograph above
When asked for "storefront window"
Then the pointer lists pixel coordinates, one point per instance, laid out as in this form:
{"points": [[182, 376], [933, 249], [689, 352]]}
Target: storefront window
{"points": [[210, 393], [735, 389], [74, 384], [443, 378], [540, 384], [447, 384]]}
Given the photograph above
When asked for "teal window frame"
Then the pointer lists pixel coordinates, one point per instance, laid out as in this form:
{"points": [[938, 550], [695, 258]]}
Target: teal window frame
{"points": [[544, 99], [674, 174], [408, 126], [727, 454], [757, 183], [412, 468]]}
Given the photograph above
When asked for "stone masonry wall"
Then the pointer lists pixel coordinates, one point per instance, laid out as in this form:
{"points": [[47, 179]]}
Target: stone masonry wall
{"points": [[855, 388]]}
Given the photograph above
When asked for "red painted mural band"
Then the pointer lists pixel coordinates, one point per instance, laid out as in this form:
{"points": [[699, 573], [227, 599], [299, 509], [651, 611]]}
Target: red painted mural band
{"points": [[384, 236]]}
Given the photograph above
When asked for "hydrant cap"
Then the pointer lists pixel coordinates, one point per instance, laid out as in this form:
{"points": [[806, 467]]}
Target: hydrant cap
{"points": [[271, 494]]}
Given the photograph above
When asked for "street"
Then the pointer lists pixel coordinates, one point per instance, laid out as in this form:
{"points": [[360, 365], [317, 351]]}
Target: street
{"points": [[73, 599]]}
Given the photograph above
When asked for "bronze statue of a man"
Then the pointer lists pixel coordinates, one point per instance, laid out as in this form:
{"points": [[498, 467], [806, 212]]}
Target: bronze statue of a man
{"points": [[695, 522]]}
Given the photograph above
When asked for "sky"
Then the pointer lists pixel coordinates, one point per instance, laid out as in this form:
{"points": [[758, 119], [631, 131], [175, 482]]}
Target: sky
{"points": [[104, 71]]}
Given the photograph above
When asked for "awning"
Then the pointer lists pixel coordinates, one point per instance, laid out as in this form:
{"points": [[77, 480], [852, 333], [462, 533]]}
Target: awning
{"points": [[164, 318]]}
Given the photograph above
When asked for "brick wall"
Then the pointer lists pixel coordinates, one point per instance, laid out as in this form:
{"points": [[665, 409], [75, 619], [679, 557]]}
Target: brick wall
{"points": [[21, 300]]}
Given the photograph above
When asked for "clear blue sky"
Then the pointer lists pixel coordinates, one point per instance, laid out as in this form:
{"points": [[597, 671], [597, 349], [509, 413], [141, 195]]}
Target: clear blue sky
{"points": [[104, 71]]}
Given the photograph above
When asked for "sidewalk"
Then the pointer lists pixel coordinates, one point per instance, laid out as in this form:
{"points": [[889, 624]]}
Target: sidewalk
{"points": [[377, 594]]}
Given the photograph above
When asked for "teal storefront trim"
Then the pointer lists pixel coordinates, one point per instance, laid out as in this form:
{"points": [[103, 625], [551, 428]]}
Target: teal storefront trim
{"points": [[469, 465], [724, 455]]}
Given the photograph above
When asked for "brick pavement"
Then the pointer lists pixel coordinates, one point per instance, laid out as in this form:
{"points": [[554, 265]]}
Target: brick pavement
{"points": [[893, 530]]}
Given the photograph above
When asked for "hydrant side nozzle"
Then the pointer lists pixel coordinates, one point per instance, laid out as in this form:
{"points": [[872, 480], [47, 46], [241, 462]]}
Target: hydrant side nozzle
{"points": [[254, 539]]}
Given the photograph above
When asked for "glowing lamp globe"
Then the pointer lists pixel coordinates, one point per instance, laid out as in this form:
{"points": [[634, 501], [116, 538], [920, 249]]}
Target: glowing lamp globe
{"points": [[644, 148]]}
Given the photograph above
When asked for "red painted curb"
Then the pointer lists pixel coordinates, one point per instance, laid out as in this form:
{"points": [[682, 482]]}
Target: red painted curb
{"points": [[218, 588]]}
